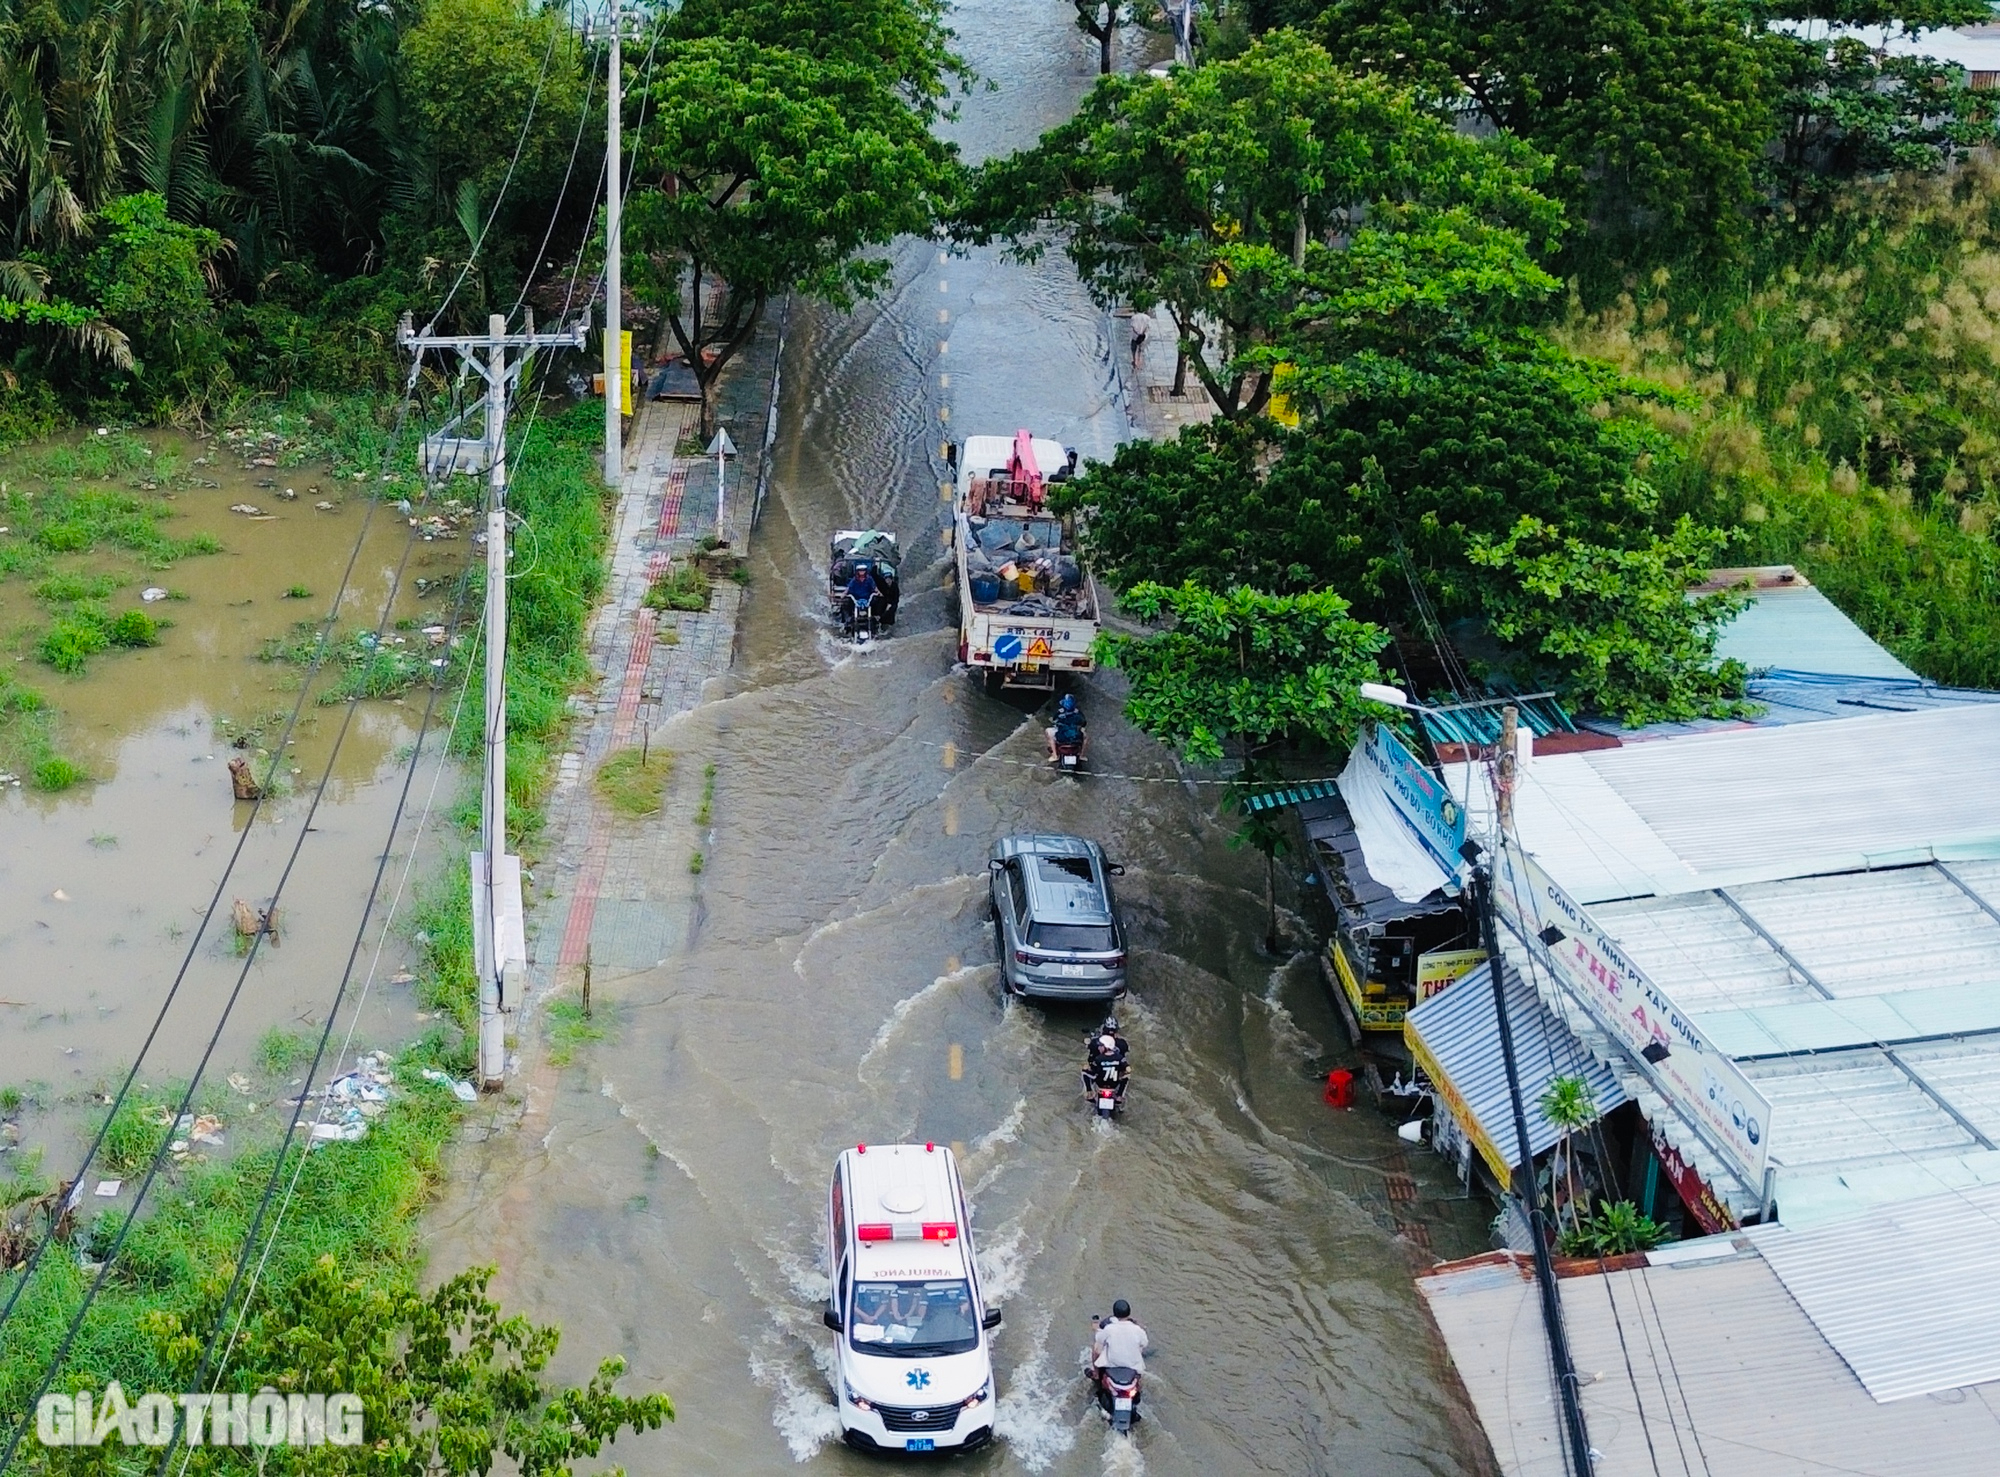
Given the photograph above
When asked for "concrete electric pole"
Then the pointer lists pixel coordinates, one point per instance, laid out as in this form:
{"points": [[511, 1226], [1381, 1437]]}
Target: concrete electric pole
{"points": [[615, 373], [499, 937]]}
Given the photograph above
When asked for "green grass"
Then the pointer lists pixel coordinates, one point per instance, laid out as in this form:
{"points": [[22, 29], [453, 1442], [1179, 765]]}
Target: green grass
{"points": [[1842, 408], [55, 774], [11, 1099], [695, 864], [632, 788], [707, 806], [570, 1028], [280, 1050], [297, 592], [682, 588], [85, 630], [360, 1201], [67, 589]]}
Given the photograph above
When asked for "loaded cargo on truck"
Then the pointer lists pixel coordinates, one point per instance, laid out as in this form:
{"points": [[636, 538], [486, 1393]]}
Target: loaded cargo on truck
{"points": [[1028, 609]]}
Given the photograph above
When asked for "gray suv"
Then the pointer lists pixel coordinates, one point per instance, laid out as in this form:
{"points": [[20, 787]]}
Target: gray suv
{"points": [[1058, 926]]}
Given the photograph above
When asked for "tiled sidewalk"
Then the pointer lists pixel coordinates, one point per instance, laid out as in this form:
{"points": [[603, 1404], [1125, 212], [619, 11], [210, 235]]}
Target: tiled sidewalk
{"points": [[619, 892]]}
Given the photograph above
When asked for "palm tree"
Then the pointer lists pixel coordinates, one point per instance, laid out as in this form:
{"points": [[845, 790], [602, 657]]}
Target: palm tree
{"points": [[1567, 1105]]}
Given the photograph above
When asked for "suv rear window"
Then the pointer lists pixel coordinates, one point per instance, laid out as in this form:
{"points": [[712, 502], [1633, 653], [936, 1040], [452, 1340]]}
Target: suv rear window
{"points": [[1080, 938], [1065, 869]]}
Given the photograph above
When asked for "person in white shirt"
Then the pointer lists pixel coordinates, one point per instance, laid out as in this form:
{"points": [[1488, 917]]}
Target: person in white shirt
{"points": [[1141, 326], [1120, 1342]]}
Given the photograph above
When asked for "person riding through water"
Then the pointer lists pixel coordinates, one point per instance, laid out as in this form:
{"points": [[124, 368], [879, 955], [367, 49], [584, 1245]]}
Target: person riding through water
{"points": [[1106, 1045], [1119, 1343], [861, 591], [1069, 728]]}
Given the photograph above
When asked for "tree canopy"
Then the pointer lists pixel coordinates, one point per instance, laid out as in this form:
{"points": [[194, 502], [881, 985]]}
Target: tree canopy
{"points": [[770, 170], [1269, 195]]}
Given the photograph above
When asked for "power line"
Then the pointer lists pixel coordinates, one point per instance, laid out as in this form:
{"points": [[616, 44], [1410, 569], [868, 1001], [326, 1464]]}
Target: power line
{"points": [[333, 1013], [215, 1037], [322, 642]]}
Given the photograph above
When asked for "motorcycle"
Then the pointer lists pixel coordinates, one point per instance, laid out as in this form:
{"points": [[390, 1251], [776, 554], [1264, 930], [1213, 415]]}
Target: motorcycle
{"points": [[1069, 754], [858, 623], [1104, 1084], [1117, 1388]]}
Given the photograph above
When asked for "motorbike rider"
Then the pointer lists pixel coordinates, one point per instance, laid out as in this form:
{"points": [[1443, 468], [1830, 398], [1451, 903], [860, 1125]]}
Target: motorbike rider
{"points": [[1069, 727], [1119, 1341], [1105, 1044], [861, 592]]}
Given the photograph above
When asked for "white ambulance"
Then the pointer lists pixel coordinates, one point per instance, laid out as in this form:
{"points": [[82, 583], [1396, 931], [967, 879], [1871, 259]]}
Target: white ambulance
{"points": [[913, 1368]]}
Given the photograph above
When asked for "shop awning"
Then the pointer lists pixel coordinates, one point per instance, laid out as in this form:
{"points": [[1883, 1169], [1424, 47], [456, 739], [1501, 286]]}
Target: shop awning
{"points": [[1456, 1040], [1350, 885]]}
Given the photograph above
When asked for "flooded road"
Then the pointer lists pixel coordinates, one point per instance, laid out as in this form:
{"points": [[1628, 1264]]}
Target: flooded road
{"points": [[840, 987], [103, 885]]}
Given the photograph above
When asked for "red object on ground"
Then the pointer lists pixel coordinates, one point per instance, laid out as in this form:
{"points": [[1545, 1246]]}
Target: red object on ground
{"points": [[1339, 1088]]}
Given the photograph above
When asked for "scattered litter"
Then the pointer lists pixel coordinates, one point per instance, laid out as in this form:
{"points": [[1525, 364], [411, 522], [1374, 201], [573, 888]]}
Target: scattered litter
{"points": [[207, 1130], [289, 494], [152, 593], [463, 1091], [402, 977], [324, 506], [344, 1132], [59, 896], [178, 1146], [249, 508], [108, 1188], [241, 1083], [6, 778], [104, 430]]}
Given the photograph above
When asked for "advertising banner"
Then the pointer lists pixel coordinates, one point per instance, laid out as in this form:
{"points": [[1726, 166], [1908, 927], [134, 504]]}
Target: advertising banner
{"points": [[1707, 1207], [1420, 798], [1440, 967], [1683, 1066]]}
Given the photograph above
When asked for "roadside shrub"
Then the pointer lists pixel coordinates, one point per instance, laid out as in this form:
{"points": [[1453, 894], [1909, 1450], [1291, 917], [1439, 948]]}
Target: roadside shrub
{"points": [[134, 628], [56, 774], [72, 641]]}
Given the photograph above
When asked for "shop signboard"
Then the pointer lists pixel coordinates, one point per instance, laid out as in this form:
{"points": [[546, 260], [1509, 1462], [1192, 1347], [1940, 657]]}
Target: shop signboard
{"points": [[1440, 967], [1709, 1209], [1420, 798], [1683, 1066]]}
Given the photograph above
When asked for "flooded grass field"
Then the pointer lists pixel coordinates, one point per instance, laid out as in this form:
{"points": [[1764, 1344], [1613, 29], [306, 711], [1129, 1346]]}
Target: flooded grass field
{"points": [[219, 560]]}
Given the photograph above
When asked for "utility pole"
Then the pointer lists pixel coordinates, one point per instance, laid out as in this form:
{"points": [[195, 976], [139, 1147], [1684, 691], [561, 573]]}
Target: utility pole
{"points": [[499, 941], [614, 251]]}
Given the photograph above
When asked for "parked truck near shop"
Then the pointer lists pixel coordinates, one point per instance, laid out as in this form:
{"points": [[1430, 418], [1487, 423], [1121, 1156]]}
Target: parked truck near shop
{"points": [[1027, 608]]}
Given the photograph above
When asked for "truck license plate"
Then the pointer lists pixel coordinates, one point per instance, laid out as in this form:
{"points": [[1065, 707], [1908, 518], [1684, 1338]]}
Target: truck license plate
{"points": [[920, 1443]]}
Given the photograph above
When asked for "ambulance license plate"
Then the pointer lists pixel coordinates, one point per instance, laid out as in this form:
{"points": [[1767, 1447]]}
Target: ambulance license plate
{"points": [[920, 1443]]}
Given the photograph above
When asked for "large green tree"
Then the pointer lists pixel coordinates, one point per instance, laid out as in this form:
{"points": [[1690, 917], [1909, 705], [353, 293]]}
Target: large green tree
{"points": [[1495, 478], [766, 170], [1269, 195], [1656, 111]]}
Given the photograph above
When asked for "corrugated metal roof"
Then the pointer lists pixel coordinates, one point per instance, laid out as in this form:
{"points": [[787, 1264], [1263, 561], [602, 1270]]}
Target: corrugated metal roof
{"points": [[1908, 1294], [1850, 1107], [1728, 1378], [1797, 628], [1459, 1030], [1759, 804], [1965, 1074], [1700, 951], [1864, 933], [1888, 1019]]}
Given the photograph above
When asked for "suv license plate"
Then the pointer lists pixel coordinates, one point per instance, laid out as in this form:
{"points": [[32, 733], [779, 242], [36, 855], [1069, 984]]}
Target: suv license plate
{"points": [[1075, 971], [920, 1443]]}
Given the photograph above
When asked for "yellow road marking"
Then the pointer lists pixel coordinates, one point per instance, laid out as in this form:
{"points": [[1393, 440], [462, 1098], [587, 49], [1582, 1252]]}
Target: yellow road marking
{"points": [[951, 820], [957, 1061], [950, 754]]}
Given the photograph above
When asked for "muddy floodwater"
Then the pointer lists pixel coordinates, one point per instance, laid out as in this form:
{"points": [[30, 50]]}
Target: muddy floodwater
{"points": [[102, 886], [840, 986]]}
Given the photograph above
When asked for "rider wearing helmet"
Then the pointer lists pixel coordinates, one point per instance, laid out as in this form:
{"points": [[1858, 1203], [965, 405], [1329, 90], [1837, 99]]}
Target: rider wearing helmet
{"points": [[1069, 727], [1120, 1342], [861, 591], [1106, 1045]]}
